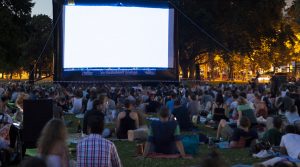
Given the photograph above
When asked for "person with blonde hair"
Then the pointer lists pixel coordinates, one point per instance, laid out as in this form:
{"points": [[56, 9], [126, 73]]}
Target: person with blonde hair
{"points": [[19, 104], [245, 110], [52, 144]]}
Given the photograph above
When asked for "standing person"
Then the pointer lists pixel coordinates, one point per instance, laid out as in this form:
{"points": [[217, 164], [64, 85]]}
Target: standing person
{"points": [[52, 144], [95, 151], [127, 120]]}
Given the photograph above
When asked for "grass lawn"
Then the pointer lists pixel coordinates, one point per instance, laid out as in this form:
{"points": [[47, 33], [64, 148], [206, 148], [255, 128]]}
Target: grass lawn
{"points": [[127, 149]]}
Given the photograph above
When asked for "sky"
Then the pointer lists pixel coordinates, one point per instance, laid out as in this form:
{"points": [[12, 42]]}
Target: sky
{"points": [[42, 7], [45, 7]]}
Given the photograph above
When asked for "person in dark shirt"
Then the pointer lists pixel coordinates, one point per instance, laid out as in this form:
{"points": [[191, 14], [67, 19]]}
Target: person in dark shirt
{"points": [[243, 136], [97, 111], [274, 135], [181, 114], [152, 106], [127, 120], [164, 136]]}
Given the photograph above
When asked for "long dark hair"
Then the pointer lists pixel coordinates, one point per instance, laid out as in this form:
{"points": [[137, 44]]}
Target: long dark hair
{"points": [[219, 98]]}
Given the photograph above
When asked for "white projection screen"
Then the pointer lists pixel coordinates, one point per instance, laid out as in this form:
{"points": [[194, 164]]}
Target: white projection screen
{"points": [[100, 37]]}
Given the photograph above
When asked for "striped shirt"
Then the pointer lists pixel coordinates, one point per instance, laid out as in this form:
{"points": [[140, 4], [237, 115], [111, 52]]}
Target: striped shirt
{"points": [[95, 151]]}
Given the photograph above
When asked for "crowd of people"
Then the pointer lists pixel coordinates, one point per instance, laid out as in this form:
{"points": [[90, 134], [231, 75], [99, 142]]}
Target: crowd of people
{"points": [[243, 115]]}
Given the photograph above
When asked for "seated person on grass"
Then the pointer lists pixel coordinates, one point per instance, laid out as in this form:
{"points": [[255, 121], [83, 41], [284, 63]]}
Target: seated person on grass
{"points": [[97, 111], [127, 120], [290, 142], [274, 134], [240, 137], [181, 114], [164, 136], [94, 150]]}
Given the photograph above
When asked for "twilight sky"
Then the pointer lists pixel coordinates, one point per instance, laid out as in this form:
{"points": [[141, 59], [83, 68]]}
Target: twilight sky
{"points": [[45, 7]]}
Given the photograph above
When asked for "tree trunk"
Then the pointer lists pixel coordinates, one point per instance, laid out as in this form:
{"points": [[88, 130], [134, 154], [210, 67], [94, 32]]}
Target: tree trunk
{"points": [[35, 71], [185, 71], [192, 70], [230, 75], [197, 70], [40, 70], [211, 65]]}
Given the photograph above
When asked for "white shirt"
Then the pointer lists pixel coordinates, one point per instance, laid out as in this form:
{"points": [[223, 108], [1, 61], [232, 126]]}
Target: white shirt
{"points": [[89, 105], [292, 117], [292, 144], [77, 105]]}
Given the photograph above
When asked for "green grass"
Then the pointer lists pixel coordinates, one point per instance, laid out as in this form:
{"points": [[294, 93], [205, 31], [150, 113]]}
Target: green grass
{"points": [[127, 150], [231, 156]]}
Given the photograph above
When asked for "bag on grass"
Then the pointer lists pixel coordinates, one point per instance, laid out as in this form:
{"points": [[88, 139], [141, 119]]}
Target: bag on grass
{"points": [[190, 144]]}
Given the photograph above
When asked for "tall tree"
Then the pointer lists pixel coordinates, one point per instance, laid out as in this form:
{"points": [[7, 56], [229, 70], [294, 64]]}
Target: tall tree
{"points": [[40, 28], [13, 31], [238, 26]]}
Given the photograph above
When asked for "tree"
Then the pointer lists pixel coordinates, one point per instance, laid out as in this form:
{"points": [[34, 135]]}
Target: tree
{"points": [[13, 31], [238, 26], [40, 28], [294, 11]]}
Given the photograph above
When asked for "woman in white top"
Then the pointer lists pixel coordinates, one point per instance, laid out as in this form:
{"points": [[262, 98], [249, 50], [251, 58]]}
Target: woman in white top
{"points": [[77, 103], [52, 144], [292, 115]]}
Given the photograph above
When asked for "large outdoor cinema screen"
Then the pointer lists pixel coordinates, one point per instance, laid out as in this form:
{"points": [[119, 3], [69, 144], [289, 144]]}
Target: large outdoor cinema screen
{"points": [[117, 37]]}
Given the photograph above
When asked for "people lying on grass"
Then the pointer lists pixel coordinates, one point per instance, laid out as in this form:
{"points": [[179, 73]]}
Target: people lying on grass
{"points": [[240, 137], [182, 116], [245, 110], [274, 134], [127, 120], [290, 142], [164, 136], [213, 159], [52, 144], [94, 150]]}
